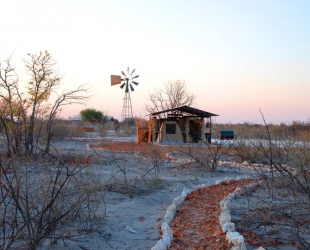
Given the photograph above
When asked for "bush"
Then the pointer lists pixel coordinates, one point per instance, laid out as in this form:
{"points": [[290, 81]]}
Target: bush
{"points": [[61, 130], [39, 195], [124, 129], [287, 183]]}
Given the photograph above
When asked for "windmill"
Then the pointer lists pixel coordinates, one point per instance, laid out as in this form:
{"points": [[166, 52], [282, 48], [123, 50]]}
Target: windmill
{"points": [[126, 83]]}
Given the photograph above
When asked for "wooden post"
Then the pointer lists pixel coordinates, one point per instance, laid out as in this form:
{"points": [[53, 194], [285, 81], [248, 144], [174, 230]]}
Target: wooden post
{"points": [[154, 128]]}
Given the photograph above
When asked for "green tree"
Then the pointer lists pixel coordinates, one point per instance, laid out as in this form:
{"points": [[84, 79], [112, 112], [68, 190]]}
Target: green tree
{"points": [[91, 115]]}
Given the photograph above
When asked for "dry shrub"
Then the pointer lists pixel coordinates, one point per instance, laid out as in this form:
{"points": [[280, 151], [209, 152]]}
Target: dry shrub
{"points": [[124, 130], [38, 195], [64, 130], [280, 209], [135, 167]]}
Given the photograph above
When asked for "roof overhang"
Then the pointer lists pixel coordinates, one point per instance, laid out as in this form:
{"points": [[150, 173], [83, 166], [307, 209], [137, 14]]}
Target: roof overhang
{"points": [[185, 111]]}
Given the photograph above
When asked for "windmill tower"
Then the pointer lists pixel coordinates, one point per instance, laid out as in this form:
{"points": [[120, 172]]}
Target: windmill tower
{"points": [[126, 82]]}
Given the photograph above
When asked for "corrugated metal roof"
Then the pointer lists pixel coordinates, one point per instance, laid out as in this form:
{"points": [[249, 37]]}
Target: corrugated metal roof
{"points": [[188, 110]]}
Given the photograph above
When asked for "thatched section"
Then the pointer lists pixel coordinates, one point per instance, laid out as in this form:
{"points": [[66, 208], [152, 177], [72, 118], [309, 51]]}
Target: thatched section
{"points": [[142, 130]]}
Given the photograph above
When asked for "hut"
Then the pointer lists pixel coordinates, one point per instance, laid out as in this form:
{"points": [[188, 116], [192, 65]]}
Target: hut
{"points": [[180, 125]]}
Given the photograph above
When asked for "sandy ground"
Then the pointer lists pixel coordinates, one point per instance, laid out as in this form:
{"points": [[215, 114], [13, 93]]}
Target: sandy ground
{"points": [[132, 220]]}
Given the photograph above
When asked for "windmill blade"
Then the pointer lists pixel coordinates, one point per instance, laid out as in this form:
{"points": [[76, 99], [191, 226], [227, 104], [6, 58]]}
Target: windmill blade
{"points": [[135, 76], [127, 70], [131, 88], [126, 89], [132, 72], [122, 86], [136, 83], [123, 73]]}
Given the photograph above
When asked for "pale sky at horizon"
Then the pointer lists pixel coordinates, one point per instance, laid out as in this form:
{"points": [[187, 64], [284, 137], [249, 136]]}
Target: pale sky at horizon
{"points": [[236, 56]]}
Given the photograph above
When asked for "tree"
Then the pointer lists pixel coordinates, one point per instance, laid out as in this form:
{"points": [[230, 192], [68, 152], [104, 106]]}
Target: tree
{"points": [[13, 108], [66, 98], [173, 94], [26, 113], [91, 115], [43, 81]]}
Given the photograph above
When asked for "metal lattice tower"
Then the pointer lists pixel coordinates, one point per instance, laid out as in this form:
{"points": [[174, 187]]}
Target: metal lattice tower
{"points": [[127, 107]]}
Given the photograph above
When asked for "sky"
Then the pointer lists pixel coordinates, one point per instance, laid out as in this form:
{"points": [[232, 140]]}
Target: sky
{"points": [[236, 56]]}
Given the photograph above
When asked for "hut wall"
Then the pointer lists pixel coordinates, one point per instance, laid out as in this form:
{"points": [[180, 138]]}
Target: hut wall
{"points": [[154, 128], [170, 132]]}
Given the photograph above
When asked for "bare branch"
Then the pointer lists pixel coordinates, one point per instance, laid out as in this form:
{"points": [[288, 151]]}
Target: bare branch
{"points": [[172, 95]]}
